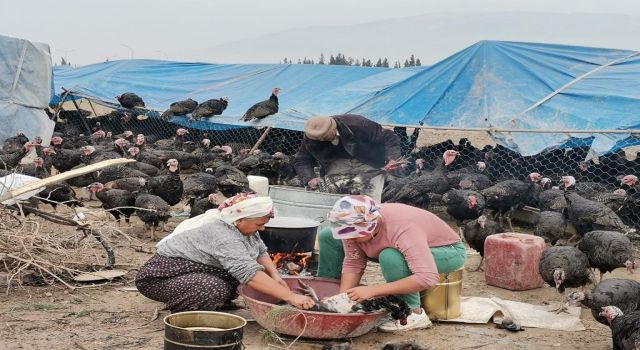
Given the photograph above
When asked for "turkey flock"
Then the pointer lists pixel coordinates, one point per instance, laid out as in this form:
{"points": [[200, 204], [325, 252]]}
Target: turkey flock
{"points": [[479, 189]]}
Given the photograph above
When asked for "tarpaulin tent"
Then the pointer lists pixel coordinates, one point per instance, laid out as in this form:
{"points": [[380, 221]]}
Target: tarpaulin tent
{"points": [[25, 88], [489, 85], [160, 83], [513, 85]]}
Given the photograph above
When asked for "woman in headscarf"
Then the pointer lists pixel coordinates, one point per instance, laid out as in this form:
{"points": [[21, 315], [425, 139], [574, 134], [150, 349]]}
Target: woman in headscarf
{"points": [[413, 246], [200, 265]]}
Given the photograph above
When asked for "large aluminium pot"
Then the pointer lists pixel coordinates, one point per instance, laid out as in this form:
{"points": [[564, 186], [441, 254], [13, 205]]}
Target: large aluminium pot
{"points": [[286, 234]]}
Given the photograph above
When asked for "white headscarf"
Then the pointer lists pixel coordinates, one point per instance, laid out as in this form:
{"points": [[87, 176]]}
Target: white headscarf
{"points": [[240, 206]]}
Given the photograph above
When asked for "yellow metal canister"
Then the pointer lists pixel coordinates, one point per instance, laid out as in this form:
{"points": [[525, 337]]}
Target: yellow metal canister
{"points": [[442, 302]]}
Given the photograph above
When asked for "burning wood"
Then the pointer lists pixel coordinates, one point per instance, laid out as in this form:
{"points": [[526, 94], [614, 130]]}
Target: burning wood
{"points": [[290, 263]]}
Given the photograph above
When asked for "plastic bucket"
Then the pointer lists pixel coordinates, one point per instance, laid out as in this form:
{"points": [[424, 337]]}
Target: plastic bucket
{"points": [[203, 330], [442, 302]]}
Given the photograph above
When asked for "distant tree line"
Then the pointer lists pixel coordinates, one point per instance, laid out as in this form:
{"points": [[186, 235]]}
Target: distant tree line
{"points": [[342, 60]]}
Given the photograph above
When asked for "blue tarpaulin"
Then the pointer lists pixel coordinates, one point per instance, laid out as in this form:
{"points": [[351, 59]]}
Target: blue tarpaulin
{"points": [[160, 83], [25, 79], [490, 84]]}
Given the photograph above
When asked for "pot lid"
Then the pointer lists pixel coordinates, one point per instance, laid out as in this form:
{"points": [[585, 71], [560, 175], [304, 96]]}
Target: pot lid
{"points": [[291, 222]]}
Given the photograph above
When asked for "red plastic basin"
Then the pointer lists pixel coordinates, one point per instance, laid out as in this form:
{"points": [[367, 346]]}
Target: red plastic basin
{"points": [[319, 325]]}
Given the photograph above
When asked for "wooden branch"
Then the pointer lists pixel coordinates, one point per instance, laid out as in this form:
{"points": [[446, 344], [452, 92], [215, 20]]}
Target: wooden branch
{"points": [[259, 142], [63, 176]]}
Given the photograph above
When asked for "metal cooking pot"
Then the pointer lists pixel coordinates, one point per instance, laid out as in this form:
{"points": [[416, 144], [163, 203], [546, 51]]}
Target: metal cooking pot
{"points": [[287, 234]]}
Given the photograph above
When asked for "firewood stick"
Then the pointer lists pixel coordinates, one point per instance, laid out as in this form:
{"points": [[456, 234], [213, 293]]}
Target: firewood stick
{"points": [[63, 176]]}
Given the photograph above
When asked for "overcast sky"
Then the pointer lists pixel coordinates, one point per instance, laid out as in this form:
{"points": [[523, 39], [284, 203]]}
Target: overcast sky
{"points": [[91, 31]]}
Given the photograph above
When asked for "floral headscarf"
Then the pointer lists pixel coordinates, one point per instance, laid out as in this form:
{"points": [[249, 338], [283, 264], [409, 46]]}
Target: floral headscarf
{"points": [[245, 205], [354, 216]]}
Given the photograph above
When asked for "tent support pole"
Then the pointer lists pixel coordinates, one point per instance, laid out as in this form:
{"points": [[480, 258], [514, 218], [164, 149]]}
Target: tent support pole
{"points": [[84, 122], [259, 142], [59, 107], [93, 109]]}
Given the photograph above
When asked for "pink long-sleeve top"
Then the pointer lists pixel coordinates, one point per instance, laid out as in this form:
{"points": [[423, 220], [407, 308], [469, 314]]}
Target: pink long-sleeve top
{"points": [[410, 230]]}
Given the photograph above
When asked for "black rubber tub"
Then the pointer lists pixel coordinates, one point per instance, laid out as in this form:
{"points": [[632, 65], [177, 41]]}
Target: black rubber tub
{"points": [[287, 234]]}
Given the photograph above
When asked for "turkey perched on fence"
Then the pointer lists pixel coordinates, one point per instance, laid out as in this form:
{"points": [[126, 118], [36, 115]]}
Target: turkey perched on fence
{"points": [[476, 232], [587, 215], [263, 109], [623, 293], [130, 100], [550, 225], [115, 198], [565, 267], [507, 196], [210, 108], [179, 108], [607, 251], [625, 328]]}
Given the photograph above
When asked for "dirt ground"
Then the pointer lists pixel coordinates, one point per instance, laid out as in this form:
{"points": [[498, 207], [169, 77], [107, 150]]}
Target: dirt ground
{"points": [[115, 316]]}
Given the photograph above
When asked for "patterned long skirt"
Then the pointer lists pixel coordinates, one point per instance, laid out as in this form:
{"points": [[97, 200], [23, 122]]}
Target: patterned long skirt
{"points": [[185, 285]]}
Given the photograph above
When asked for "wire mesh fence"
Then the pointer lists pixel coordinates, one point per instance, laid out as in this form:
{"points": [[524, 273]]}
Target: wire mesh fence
{"points": [[599, 177]]}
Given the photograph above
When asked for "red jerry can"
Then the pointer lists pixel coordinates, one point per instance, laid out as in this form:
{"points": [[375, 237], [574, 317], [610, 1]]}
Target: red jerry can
{"points": [[511, 260]]}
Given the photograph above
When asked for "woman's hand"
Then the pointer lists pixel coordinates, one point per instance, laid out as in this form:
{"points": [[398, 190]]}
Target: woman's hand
{"points": [[301, 301], [361, 293]]}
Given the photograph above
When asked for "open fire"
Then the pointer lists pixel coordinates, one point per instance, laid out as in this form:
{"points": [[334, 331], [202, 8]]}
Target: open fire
{"points": [[291, 263]]}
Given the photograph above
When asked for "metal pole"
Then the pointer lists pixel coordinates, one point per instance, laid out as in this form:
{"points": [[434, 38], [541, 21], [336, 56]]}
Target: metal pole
{"points": [[537, 131]]}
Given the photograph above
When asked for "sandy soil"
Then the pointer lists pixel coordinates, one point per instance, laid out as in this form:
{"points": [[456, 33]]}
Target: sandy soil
{"points": [[112, 316]]}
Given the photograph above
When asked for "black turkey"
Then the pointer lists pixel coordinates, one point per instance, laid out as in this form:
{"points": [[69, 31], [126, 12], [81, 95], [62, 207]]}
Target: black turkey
{"points": [[199, 185], [231, 180], [60, 193], [14, 143], [152, 210], [418, 191], [201, 205], [115, 198], [180, 108], [587, 215], [169, 187], [625, 328], [463, 205], [476, 232], [623, 293], [130, 100], [507, 196], [564, 267], [210, 108], [550, 226], [607, 251], [263, 109]]}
